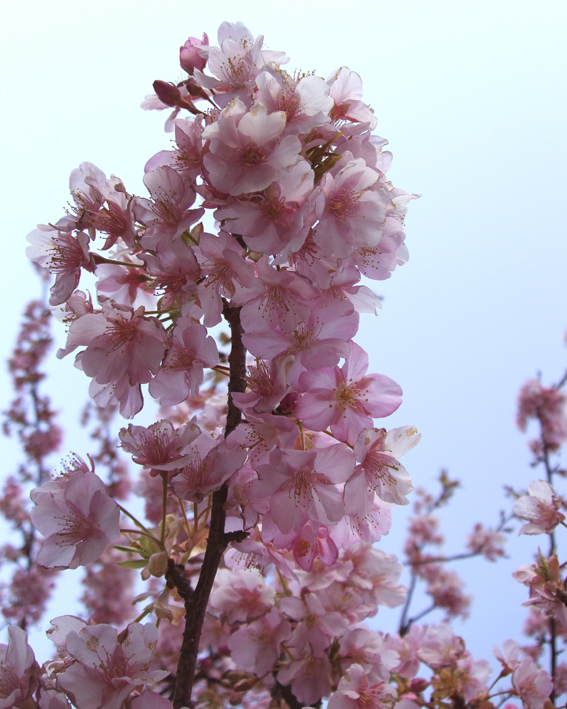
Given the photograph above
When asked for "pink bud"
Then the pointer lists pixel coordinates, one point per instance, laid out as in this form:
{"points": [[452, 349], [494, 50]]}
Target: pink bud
{"points": [[167, 93], [189, 56], [418, 685]]}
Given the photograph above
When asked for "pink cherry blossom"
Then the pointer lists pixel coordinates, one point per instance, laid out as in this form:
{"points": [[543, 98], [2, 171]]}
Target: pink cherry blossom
{"points": [[276, 299], [125, 284], [186, 159], [277, 219], [241, 596], [123, 350], [510, 655], [371, 651], [367, 526], [345, 399], [317, 624], [540, 508], [378, 469], [181, 373], [51, 699], [351, 210], [473, 676], [314, 542], [267, 385], [319, 341], [346, 91], [256, 647], [247, 152], [106, 671], [77, 518], [18, 670], [487, 542], [547, 405], [375, 574], [189, 56], [61, 254], [207, 464], [236, 63], [298, 486], [175, 271], [220, 257], [547, 589], [261, 434], [167, 214], [532, 685], [158, 447], [407, 648], [306, 102], [441, 647], [355, 692], [310, 677]]}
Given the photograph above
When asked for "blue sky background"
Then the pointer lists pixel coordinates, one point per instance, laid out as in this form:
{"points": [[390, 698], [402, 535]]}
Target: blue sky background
{"points": [[472, 97]]}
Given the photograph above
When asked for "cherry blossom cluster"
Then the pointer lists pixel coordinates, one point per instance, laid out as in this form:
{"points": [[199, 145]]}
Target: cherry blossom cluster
{"points": [[541, 508], [26, 586], [302, 209], [265, 480]]}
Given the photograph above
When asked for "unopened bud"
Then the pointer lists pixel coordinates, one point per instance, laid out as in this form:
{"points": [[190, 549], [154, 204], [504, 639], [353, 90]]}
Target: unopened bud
{"points": [[157, 565], [419, 685], [167, 93]]}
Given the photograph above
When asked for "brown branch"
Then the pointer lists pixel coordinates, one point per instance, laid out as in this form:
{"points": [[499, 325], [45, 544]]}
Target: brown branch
{"points": [[196, 602]]}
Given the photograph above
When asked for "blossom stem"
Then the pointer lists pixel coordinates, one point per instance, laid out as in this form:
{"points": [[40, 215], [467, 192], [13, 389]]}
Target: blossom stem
{"points": [[136, 522], [101, 259], [163, 506], [149, 535], [500, 676], [182, 508]]}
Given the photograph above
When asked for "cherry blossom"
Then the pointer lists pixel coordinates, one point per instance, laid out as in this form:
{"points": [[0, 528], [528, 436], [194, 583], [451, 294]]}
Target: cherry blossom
{"points": [[540, 508], [206, 464], [256, 646], [158, 447], [189, 56], [547, 590], [77, 518], [167, 214], [298, 485], [181, 373], [533, 685], [61, 254], [346, 398], [261, 503], [18, 670], [241, 596], [246, 153], [123, 350], [379, 470], [351, 210], [548, 406], [355, 692], [346, 92], [106, 670], [236, 62]]}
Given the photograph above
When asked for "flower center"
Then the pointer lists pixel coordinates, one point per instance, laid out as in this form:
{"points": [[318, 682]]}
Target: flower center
{"points": [[251, 155], [344, 204]]}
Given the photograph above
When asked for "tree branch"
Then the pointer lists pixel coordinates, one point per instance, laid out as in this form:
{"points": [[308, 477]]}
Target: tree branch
{"points": [[196, 602]]}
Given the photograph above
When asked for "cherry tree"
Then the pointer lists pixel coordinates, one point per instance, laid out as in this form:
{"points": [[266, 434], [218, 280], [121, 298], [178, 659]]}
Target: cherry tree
{"points": [[233, 291]]}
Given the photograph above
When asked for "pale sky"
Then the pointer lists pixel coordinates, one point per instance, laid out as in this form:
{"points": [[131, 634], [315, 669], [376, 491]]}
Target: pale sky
{"points": [[471, 95]]}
